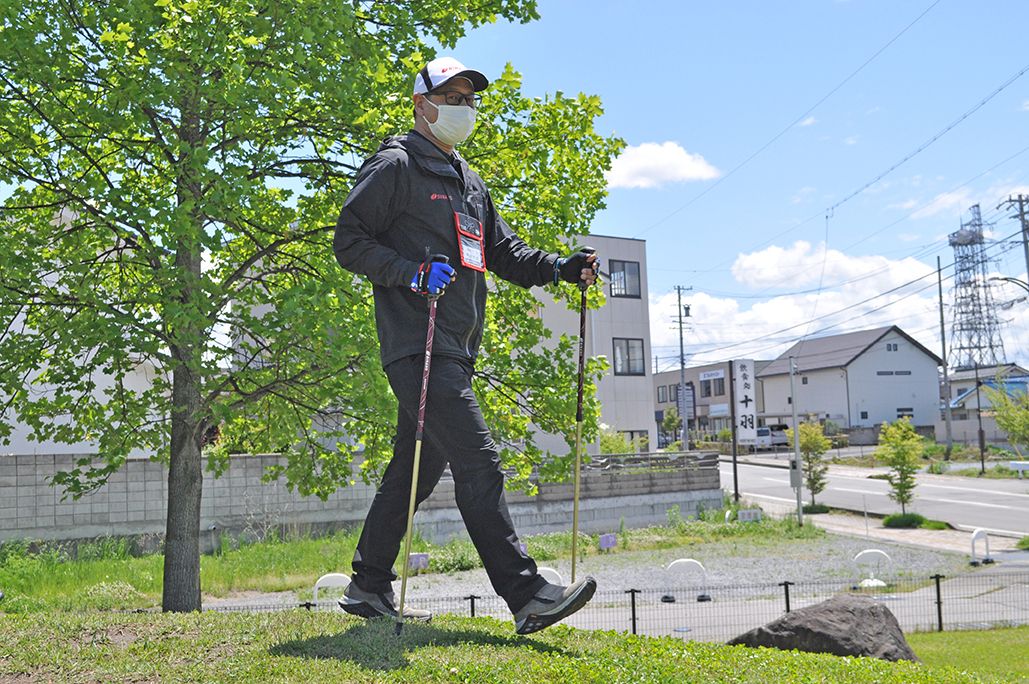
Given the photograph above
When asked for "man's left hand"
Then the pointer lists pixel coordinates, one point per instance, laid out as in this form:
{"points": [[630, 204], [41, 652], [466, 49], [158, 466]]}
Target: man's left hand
{"points": [[580, 267]]}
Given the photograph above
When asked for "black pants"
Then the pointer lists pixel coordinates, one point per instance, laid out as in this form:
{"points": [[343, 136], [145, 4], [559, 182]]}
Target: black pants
{"points": [[454, 433]]}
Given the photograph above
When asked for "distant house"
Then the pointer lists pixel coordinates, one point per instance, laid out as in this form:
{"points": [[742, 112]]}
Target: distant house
{"points": [[965, 401], [856, 380]]}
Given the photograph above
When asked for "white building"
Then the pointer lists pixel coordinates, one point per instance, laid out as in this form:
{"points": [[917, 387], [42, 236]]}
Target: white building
{"points": [[620, 330], [857, 380]]}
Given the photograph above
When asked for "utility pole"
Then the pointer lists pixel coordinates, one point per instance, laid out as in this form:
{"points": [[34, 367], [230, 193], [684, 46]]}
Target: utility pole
{"points": [[796, 479], [979, 416], [946, 373], [1022, 201], [682, 369]]}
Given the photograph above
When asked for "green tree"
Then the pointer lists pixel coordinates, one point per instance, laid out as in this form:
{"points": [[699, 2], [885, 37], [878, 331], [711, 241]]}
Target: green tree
{"points": [[812, 445], [900, 447], [1011, 411], [174, 172], [671, 423]]}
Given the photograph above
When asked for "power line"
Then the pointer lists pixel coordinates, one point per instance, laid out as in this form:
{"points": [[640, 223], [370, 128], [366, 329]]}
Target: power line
{"points": [[930, 141], [793, 123], [1000, 243]]}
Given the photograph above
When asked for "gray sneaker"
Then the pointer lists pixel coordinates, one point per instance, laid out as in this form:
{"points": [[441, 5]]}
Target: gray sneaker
{"points": [[365, 604], [552, 603]]}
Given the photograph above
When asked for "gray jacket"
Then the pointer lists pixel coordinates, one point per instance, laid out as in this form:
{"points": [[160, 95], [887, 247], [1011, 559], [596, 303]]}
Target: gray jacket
{"points": [[403, 202]]}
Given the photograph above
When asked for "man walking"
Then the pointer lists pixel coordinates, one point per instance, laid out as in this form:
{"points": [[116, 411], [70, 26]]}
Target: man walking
{"points": [[414, 199]]}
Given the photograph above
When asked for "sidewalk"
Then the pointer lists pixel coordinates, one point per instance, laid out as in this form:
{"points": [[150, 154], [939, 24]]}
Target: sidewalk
{"points": [[855, 525]]}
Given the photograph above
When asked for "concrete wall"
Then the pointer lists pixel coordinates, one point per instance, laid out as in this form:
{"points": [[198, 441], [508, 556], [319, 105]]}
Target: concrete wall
{"points": [[133, 502], [824, 395]]}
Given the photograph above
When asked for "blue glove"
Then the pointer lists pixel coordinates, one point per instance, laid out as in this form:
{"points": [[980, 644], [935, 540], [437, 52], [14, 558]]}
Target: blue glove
{"points": [[433, 276]]}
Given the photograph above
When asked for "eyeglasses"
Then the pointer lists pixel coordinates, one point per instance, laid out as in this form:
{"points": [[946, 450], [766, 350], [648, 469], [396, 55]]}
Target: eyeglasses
{"points": [[457, 98]]}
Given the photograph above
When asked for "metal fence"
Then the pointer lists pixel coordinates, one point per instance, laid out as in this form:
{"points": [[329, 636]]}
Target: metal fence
{"points": [[719, 613]]}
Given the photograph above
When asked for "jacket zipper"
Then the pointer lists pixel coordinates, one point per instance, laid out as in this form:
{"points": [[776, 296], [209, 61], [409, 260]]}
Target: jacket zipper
{"points": [[475, 317]]}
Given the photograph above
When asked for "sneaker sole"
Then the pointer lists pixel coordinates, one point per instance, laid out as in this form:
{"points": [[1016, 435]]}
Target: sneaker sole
{"points": [[365, 610], [535, 622]]}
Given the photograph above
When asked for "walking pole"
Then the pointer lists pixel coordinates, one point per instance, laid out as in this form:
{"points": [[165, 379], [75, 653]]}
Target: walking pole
{"points": [[417, 452], [583, 287]]}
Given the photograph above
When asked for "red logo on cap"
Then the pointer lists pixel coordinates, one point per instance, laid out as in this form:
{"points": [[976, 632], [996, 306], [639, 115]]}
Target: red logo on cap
{"points": [[446, 69]]}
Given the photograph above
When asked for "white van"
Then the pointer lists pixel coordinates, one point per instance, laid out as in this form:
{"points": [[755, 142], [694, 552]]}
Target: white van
{"points": [[770, 437]]}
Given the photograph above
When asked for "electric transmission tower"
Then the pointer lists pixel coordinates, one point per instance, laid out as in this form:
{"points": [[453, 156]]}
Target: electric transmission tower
{"points": [[975, 332]]}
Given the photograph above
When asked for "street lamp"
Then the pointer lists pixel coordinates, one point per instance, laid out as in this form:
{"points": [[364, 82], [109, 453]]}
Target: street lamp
{"points": [[1014, 281]]}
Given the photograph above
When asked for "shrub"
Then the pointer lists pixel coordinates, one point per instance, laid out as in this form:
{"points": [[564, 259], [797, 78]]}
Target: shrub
{"points": [[936, 468], [1023, 544], [815, 508], [900, 447], [934, 525], [903, 520]]}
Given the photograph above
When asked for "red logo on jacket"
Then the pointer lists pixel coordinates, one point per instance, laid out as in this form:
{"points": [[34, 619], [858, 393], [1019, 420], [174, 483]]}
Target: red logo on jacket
{"points": [[438, 196]]}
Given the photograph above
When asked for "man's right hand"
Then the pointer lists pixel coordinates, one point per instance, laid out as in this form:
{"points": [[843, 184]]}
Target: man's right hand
{"points": [[432, 277]]}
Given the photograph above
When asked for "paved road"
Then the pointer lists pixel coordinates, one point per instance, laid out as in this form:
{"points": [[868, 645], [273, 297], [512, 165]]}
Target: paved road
{"points": [[1001, 506]]}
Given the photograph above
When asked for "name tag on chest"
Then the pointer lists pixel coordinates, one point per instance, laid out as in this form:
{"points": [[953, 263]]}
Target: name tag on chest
{"points": [[470, 242]]}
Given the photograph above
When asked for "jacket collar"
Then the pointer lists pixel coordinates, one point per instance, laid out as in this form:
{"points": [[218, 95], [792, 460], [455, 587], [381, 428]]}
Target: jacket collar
{"points": [[431, 158]]}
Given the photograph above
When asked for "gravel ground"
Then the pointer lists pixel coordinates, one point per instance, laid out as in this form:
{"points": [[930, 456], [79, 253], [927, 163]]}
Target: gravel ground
{"points": [[727, 563]]}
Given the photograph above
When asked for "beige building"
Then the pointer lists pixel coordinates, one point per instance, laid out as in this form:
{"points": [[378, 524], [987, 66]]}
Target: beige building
{"points": [[620, 331]]}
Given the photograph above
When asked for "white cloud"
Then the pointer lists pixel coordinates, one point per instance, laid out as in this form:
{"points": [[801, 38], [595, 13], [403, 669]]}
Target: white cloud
{"points": [[1025, 106], [850, 140], [905, 205], [908, 237], [810, 121], [652, 165], [946, 202], [802, 195], [804, 265]]}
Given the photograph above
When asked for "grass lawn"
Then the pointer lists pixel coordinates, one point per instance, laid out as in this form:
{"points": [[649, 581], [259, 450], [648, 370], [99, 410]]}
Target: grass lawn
{"points": [[109, 578], [1001, 653], [331, 647]]}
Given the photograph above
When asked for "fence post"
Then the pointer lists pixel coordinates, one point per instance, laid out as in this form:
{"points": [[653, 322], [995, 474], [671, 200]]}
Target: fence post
{"points": [[632, 603], [471, 599], [308, 605], [939, 602], [786, 587]]}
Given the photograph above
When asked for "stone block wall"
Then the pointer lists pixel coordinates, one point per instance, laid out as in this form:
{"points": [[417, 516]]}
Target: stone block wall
{"points": [[133, 502]]}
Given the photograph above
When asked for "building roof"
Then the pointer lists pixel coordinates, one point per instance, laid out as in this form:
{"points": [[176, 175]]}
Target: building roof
{"points": [[834, 351], [1003, 371]]}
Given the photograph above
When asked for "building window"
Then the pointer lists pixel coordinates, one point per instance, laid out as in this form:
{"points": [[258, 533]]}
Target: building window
{"points": [[629, 357], [891, 346], [718, 386], [902, 373], [673, 394], [789, 400], [705, 388], [905, 413], [884, 372], [625, 278], [662, 394], [864, 415], [803, 380], [638, 439]]}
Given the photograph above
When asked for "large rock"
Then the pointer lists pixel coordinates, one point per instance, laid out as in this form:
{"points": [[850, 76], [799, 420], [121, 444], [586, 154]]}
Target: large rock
{"points": [[845, 625]]}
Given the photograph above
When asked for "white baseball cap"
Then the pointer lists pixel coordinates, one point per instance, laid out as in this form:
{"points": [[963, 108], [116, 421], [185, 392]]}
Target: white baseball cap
{"points": [[439, 71]]}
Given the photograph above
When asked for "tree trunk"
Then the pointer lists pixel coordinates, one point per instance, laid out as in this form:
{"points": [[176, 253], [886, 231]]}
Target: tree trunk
{"points": [[185, 474], [185, 483]]}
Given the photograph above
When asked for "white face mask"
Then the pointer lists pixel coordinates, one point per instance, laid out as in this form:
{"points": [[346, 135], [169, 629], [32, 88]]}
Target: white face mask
{"points": [[454, 123]]}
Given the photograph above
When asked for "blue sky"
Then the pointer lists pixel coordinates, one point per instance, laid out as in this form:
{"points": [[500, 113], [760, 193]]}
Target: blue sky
{"points": [[695, 88]]}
